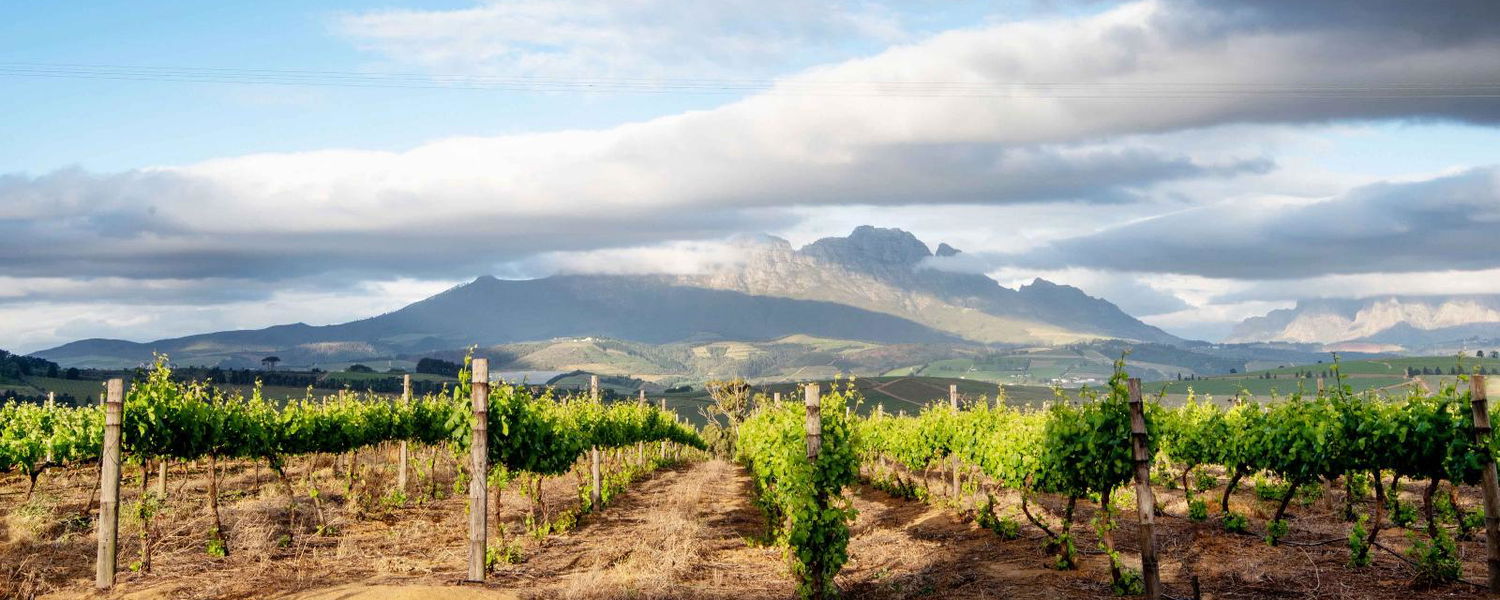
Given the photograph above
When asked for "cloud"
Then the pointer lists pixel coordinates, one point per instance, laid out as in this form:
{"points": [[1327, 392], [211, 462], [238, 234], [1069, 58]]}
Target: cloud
{"points": [[1438, 282], [648, 38], [672, 258], [1446, 223], [459, 203], [48, 321], [1082, 111]]}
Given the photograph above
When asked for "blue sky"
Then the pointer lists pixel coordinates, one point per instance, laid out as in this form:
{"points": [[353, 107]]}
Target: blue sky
{"points": [[110, 125], [146, 208]]}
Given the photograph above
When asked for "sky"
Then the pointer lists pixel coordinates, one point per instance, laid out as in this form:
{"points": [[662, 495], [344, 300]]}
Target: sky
{"points": [[180, 167]]}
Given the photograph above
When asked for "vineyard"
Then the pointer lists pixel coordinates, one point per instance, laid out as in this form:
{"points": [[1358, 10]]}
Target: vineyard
{"points": [[1109, 494]]}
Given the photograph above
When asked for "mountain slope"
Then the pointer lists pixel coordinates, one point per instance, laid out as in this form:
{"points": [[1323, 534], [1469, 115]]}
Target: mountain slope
{"points": [[875, 285], [1408, 321], [491, 311], [888, 270]]}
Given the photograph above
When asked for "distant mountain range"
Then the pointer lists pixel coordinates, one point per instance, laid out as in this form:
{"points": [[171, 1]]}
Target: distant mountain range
{"points": [[875, 285], [1430, 324]]}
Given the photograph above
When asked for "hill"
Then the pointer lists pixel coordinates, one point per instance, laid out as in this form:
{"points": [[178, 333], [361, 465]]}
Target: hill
{"points": [[876, 285], [1425, 324], [1391, 374]]}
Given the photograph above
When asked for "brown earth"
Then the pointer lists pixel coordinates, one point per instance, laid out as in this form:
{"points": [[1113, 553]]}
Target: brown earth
{"points": [[684, 532]]}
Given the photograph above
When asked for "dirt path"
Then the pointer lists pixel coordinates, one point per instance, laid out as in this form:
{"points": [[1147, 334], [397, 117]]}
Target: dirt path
{"points": [[693, 532], [689, 533], [905, 549]]}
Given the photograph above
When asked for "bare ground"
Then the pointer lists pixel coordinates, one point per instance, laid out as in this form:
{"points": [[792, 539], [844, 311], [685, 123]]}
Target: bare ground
{"points": [[688, 532]]}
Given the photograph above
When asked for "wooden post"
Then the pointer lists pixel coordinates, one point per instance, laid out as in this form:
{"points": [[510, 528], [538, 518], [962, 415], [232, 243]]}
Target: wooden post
{"points": [[479, 469], [1145, 503], [814, 427], [953, 401], [109, 486], [776, 397], [640, 447], [161, 478], [1480, 404], [814, 431], [401, 454], [596, 495], [664, 442], [1320, 386]]}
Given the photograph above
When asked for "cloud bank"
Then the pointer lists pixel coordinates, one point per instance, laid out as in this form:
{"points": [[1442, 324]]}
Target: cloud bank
{"points": [[1076, 110]]}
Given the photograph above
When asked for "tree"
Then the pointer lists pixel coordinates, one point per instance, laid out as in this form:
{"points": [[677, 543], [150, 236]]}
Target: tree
{"points": [[435, 366], [269, 362], [358, 368], [732, 403]]}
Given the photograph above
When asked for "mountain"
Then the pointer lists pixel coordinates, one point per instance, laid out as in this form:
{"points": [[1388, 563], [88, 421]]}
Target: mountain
{"points": [[1399, 322], [491, 311], [875, 285], [891, 271]]}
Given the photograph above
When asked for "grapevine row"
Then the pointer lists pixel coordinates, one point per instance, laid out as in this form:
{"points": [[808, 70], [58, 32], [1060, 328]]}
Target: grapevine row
{"points": [[799, 483]]}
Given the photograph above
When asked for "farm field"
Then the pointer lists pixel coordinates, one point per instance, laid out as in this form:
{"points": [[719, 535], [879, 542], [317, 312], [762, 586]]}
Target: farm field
{"points": [[687, 531], [893, 393], [930, 498]]}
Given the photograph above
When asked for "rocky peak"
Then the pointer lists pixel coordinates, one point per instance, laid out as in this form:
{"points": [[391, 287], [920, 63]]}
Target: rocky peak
{"points": [[869, 247], [945, 250]]}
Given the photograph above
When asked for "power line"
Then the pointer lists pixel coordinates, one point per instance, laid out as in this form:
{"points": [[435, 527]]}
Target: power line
{"points": [[1108, 90]]}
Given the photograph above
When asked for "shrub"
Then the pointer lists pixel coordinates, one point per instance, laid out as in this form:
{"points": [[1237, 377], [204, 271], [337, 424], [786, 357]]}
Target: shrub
{"points": [[1359, 551], [1275, 530], [1436, 559], [1236, 523], [1205, 481], [1004, 527], [1197, 510]]}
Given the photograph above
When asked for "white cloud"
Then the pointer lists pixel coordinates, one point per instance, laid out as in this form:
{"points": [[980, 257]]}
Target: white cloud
{"points": [[32, 326], [1443, 223], [1121, 115], [672, 258], [630, 39]]}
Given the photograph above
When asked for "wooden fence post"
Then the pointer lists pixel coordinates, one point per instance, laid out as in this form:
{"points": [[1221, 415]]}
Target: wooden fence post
{"points": [[640, 447], [479, 469], [1480, 404], [108, 525], [1145, 503], [776, 397], [401, 454], [814, 427], [161, 478], [664, 442], [953, 401], [596, 496], [814, 432]]}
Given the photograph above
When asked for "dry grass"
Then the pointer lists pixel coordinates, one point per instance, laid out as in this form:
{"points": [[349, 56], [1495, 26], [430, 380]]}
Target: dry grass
{"points": [[663, 549], [683, 533]]}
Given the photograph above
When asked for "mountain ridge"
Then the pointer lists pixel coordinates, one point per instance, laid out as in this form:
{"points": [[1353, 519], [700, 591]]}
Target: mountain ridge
{"points": [[1412, 322], [873, 285]]}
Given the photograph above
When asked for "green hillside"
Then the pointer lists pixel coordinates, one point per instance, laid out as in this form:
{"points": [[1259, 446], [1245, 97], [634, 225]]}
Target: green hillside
{"points": [[1387, 374]]}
